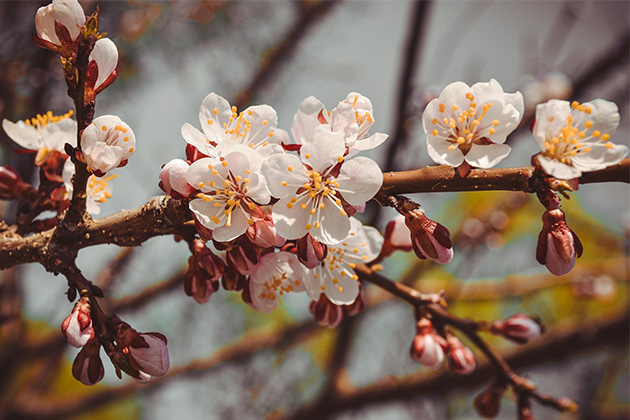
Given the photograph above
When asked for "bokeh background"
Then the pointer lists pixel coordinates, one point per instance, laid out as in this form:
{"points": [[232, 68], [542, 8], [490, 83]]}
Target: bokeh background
{"points": [[235, 363]]}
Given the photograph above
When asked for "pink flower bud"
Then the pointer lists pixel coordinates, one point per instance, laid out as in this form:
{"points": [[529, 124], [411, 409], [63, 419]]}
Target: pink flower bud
{"points": [[201, 279], [430, 239], [558, 246], [77, 327], [173, 179], [263, 232], [311, 252], [427, 347], [152, 355], [461, 359], [518, 328], [488, 403], [87, 367]]}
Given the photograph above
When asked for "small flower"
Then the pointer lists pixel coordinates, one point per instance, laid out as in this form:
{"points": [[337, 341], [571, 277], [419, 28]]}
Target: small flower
{"points": [[312, 191], [173, 179], [87, 367], [152, 355], [428, 347], [77, 327], [430, 239], [255, 127], [353, 117], [335, 276], [471, 123], [278, 273], [558, 246], [68, 13], [98, 189], [461, 359], [230, 188], [43, 133], [107, 144], [102, 67], [574, 137], [518, 328]]}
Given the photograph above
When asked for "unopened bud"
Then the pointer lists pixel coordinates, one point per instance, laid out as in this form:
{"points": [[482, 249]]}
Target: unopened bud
{"points": [[488, 403], [518, 328], [558, 246], [11, 185], [430, 239], [77, 327], [233, 281], [152, 355], [198, 282], [427, 347], [326, 313], [173, 179], [263, 232], [311, 252], [87, 367], [461, 359]]}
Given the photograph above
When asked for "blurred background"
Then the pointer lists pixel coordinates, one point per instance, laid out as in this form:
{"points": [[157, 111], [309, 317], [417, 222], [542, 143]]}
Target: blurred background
{"points": [[230, 362]]}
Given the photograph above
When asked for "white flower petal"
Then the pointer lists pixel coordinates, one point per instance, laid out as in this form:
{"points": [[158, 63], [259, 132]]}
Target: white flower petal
{"points": [[487, 156], [238, 226], [45, 24], [70, 14], [105, 54], [323, 149], [263, 120], [213, 113], [57, 134], [557, 169], [204, 211], [335, 226], [290, 221], [599, 157], [306, 119], [201, 177], [345, 292], [439, 152], [362, 178], [24, 135], [279, 169]]}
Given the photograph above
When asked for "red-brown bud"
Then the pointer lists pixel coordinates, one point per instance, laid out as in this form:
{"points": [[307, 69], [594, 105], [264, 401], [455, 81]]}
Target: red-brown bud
{"points": [[326, 313], [427, 347], [12, 186], [87, 367], [311, 252], [461, 359], [518, 328], [488, 403], [558, 246], [430, 239]]}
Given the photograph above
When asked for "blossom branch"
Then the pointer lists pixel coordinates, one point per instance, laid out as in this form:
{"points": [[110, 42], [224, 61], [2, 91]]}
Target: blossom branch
{"points": [[470, 328]]}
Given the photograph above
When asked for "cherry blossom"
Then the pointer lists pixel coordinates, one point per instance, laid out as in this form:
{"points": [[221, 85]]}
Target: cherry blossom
{"points": [[107, 143], [277, 274], [255, 127], [471, 123], [173, 179], [428, 347], [335, 276], [43, 134], [518, 328], [574, 137], [229, 187], [352, 117], [98, 189], [70, 15], [312, 190]]}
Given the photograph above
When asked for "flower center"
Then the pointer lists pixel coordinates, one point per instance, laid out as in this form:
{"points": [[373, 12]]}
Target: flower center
{"points": [[96, 188], [464, 127], [229, 197], [570, 141], [239, 129], [339, 262]]}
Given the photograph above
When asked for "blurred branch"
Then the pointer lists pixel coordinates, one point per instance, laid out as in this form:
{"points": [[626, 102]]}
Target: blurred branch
{"points": [[311, 14], [47, 407], [409, 66], [555, 345], [134, 302], [110, 273]]}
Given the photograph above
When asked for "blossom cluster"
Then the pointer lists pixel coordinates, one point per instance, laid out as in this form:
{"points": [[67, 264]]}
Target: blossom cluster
{"points": [[279, 213]]}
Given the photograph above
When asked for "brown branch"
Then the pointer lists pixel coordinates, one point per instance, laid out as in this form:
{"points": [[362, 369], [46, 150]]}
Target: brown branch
{"points": [[46, 407], [134, 302], [273, 57], [445, 179]]}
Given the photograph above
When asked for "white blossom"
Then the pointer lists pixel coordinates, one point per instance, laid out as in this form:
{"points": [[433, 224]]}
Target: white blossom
{"points": [[574, 137], [276, 274], [255, 127], [352, 117], [311, 190], [335, 276], [229, 187], [471, 123], [98, 189], [43, 133], [68, 12], [107, 143], [103, 62]]}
